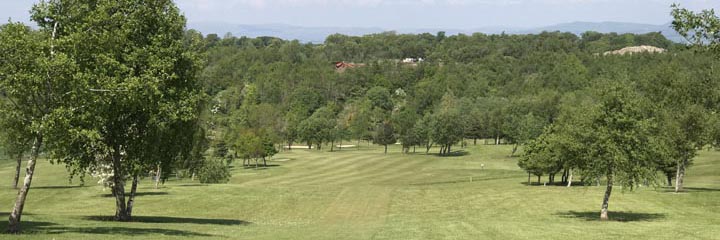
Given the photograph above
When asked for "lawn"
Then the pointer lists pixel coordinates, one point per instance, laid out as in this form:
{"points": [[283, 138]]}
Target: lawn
{"points": [[365, 194]]}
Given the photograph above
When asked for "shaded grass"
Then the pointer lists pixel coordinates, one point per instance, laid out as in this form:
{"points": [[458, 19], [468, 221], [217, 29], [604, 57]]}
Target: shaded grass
{"points": [[182, 220], [138, 194], [613, 216], [125, 231]]}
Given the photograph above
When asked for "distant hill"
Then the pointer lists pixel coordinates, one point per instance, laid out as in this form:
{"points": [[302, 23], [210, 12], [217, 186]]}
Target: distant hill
{"points": [[608, 27], [318, 34], [303, 34]]}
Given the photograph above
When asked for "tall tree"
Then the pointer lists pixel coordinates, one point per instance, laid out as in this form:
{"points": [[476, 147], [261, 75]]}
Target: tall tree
{"points": [[37, 83], [448, 126], [624, 143], [143, 98], [385, 134]]}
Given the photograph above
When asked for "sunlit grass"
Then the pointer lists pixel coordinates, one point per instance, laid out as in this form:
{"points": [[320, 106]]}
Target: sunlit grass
{"points": [[365, 194]]}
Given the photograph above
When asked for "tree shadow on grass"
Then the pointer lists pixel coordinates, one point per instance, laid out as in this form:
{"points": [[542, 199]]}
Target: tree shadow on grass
{"points": [[122, 231], [26, 227], [57, 187], [458, 153], [260, 167], [690, 189], [614, 216], [462, 180], [33, 227], [159, 219], [555, 184], [138, 194], [191, 185]]}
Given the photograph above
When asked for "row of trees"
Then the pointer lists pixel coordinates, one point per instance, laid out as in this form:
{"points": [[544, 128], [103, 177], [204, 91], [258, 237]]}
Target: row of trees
{"points": [[647, 119]]}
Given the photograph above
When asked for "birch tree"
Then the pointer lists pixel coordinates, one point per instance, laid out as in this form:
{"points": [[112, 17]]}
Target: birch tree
{"points": [[36, 82]]}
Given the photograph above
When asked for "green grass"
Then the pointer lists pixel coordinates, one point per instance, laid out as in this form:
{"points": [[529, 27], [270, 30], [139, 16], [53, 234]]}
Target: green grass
{"points": [[364, 194]]}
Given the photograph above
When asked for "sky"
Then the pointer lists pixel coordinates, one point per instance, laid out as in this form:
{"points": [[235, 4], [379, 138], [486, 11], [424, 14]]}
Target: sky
{"points": [[412, 14]]}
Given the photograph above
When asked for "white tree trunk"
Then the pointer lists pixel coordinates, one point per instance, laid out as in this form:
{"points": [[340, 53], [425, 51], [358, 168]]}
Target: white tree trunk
{"points": [[680, 176], [16, 214], [606, 199], [158, 176], [18, 166]]}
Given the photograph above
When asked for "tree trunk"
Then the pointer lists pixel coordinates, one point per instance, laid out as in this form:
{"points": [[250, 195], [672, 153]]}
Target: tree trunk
{"points": [[256, 163], [332, 145], [515, 147], [158, 175], [551, 178], [16, 214], [385, 148], [18, 166], [474, 141], [118, 189], [528, 178], [669, 178], [264, 162], [131, 198], [289, 146], [538, 179], [448, 148], [606, 199], [680, 175], [497, 140], [569, 178], [413, 148]]}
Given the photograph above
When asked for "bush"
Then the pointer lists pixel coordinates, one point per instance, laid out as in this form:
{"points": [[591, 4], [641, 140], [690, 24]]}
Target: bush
{"points": [[214, 171]]}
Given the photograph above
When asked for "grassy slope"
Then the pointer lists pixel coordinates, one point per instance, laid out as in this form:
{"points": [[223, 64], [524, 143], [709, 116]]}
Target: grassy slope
{"points": [[367, 195]]}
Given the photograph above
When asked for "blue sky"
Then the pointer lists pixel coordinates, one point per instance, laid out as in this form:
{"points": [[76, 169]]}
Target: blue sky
{"points": [[404, 14]]}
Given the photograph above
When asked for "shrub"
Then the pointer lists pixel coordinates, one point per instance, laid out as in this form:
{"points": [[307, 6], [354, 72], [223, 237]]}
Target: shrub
{"points": [[214, 171]]}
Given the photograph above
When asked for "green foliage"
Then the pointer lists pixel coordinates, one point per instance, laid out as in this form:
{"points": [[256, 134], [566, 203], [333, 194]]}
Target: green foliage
{"points": [[214, 171], [221, 149], [384, 134], [404, 125], [697, 28], [447, 124], [320, 127]]}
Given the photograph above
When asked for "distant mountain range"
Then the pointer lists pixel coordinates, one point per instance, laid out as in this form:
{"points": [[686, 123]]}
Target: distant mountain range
{"points": [[318, 34]]}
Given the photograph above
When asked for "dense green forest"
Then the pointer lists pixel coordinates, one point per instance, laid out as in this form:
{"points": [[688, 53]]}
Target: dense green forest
{"points": [[502, 87]]}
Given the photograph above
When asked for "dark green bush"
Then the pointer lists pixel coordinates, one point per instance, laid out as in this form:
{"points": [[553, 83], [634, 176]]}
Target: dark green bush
{"points": [[214, 171]]}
